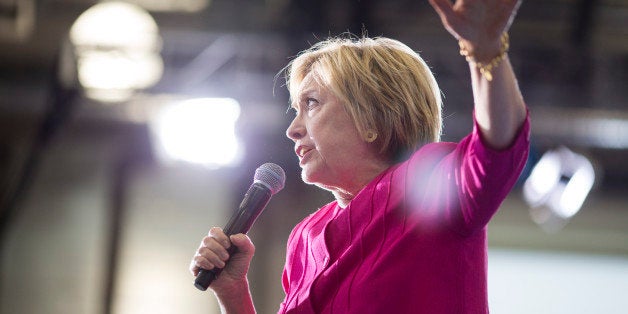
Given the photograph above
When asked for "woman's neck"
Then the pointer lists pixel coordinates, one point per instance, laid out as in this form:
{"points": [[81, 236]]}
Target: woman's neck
{"points": [[344, 195]]}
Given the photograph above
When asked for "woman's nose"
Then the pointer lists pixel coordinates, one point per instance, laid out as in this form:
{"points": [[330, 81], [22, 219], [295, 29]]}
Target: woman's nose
{"points": [[296, 129]]}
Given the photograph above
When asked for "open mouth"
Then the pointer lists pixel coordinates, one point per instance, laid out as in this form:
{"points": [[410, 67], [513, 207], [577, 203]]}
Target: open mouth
{"points": [[302, 150]]}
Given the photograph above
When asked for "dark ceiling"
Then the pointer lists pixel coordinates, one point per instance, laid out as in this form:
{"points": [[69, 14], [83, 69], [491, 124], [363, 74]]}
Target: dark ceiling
{"points": [[571, 57]]}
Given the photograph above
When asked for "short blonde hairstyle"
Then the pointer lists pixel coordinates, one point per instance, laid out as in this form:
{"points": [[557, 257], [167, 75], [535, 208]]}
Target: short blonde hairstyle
{"points": [[384, 85]]}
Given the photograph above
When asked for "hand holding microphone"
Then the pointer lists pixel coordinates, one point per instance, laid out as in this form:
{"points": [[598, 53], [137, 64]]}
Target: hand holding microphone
{"points": [[269, 179]]}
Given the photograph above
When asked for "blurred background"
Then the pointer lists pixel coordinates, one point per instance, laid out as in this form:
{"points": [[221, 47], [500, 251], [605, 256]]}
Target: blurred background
{"points": [[128, 129]]}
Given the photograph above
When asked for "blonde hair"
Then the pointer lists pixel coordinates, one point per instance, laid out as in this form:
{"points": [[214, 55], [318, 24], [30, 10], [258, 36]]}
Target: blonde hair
{"points": [[385, 87]]}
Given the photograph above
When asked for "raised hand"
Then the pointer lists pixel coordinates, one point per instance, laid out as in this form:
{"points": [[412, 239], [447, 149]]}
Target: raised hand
{"points": [[477, 24]]}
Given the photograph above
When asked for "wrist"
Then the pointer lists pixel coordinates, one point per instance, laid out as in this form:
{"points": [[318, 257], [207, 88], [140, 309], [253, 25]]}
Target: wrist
{"points": [[232, 290], [235, 298], [485, 57], [483, 53]]}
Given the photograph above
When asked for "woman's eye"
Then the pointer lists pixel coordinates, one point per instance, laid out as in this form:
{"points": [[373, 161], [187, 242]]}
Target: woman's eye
{"points": [[310, 103]]}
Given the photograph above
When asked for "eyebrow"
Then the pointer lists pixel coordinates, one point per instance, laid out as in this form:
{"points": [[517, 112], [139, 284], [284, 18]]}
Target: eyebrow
{"points": [[307, 92], [301, 95], [304, 90]]}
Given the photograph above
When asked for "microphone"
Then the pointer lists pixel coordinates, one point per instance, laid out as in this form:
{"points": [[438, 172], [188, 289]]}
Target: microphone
{"points": [[269, 179]]}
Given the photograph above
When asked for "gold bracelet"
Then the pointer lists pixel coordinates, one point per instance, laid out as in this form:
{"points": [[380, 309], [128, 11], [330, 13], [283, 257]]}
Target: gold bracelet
{"points": [[486, 68]]}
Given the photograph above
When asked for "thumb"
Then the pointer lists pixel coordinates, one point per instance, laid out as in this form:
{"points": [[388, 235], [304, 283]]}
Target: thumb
{"points": [[448, 17], [442, 7], [243, 243], [238, 264]]}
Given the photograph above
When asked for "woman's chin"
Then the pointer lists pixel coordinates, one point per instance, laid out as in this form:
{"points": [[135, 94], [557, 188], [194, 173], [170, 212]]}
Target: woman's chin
{"points": [[308, 176]]}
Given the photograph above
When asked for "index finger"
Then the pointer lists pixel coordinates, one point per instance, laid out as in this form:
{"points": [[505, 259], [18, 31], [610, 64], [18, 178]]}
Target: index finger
{"points": [[220, 236]]}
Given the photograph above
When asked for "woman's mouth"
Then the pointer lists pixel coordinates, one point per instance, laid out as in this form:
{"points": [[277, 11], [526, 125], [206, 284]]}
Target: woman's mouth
{"points": [[302, 151]]}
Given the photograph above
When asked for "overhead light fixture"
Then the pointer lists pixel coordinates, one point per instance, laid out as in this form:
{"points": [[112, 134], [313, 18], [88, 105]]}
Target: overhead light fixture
{"points": [[184, 6], [117, 46], [200, 131], [557, 187]]}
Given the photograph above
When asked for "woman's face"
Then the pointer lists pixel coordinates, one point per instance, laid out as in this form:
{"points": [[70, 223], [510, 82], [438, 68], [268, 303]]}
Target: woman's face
{"points": [[331, 151]]}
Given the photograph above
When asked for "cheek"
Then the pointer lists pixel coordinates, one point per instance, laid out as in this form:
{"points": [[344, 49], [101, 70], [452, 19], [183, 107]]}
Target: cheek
{"points": [[328, 140], [335, 136], [340, 149]]}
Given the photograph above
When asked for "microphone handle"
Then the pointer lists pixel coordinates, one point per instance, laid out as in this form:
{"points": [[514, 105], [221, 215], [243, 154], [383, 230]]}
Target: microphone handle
{"points": [[251, 207]]}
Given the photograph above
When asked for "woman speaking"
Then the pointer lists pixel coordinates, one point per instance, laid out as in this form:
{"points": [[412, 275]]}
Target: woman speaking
{"points": [[406, 232]]}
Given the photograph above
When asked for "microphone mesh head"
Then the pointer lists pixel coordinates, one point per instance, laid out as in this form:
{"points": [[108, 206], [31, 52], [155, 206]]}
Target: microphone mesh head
{"points": [[270, 175]]}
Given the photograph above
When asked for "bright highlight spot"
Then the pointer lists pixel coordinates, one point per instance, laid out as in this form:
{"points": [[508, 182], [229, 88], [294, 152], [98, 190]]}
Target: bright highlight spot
{"points": [[115, 24], [543, 178], [557, 187], [117, 49], [200, 131], [577, 189], [106, 70]]}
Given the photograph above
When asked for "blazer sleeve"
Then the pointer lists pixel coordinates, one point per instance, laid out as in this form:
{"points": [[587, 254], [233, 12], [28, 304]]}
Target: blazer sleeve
{"points": [[464, 186]]}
